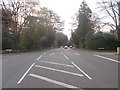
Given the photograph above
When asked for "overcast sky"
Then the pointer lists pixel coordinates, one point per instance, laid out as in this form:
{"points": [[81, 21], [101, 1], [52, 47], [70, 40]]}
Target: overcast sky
{"points": [[67, 8]]}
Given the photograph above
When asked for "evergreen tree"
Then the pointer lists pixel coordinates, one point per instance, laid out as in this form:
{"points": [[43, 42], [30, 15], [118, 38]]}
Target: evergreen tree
{"points": [[84, 24]]}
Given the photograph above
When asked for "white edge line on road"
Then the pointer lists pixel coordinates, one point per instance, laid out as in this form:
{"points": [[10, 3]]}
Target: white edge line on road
{"points": [[81, 71], [66, 57], [39, 57], [58, 63], [25, 73], [52, 81], [58, 70], [106, 58]]}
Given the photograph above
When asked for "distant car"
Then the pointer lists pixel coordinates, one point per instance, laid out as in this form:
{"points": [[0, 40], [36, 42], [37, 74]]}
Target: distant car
{"points": [[70, 46], [65, 47]]}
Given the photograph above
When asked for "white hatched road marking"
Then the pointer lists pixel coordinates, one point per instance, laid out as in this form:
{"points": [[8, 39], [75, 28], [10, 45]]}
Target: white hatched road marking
{"points": [[15, 55], [76, 54], [81, 71], [25, 73], [51, 54], [39, 57], [106, 58], [58, 63], [44, 53], [58, 70], [52, 81], [66, 57]]}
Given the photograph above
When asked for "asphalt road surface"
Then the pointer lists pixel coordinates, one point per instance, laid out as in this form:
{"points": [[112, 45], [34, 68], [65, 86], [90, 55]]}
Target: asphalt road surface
{"points": [[60, 68]]}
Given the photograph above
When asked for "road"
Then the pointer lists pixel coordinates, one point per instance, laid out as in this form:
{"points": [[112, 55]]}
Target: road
{"points": [[60, 68]]}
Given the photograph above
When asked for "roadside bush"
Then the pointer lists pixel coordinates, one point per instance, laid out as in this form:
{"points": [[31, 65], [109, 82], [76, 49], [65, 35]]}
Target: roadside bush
{"points": [[100, 40], [7, 40]]}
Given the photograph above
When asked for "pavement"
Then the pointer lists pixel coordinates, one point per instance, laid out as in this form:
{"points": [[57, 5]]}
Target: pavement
{"points": [[60, 68]]}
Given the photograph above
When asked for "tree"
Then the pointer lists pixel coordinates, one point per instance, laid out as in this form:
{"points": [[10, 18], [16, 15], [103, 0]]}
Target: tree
{"points": [[84, 25], [51, 19], [39, 31], [7, 37], [61, 39], [112, 7], [12, 9], [32, 35], [27, 27], [94, 40]]}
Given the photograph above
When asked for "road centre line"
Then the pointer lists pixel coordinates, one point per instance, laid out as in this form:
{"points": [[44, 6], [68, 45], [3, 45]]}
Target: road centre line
{"points": [[39, 57], [106, 58], [58, 63], [52, 81], [76, 54], [81, 71], [25, 73], [66, 57], [59, 70]]}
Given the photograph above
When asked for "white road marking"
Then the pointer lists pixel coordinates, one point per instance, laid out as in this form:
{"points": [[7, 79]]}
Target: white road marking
{"points": [[52, 81], [66, 57], [58, 70], [58, 63], [76, 54], [25, 73], [53, 53], [44, 53], [39, 57], [15, 55], [81, 71], [106, 58]]}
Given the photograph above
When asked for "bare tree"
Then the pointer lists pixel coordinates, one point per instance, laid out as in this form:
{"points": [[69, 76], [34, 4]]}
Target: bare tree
{"points": [[112, 7], [17, 11]]}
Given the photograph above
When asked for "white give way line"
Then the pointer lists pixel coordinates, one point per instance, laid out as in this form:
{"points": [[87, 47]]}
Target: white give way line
{"points": [[106, 58], [57, 63], [58, 70], [52, 81]]}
